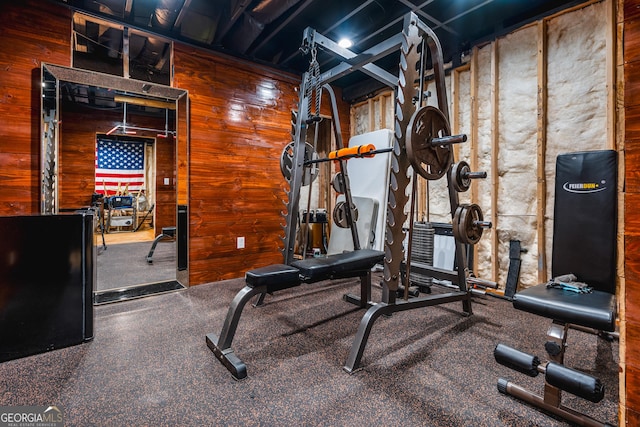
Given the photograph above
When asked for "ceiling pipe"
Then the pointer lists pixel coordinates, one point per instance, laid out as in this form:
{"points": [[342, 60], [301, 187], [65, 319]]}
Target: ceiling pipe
{"points": [[166, 13], [254, 21], [286, 22], [234, 15]]}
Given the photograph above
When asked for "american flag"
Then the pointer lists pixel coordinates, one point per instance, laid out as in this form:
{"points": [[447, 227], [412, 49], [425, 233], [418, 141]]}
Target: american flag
{"points": [[119, 163]]}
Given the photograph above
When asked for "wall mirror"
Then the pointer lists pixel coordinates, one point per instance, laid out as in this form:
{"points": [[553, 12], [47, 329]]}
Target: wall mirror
{"points": [[119, 147]]}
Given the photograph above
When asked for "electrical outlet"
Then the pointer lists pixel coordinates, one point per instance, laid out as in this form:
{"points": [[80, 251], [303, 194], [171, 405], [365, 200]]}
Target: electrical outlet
{"points": [[240, 242], [166, 181]]}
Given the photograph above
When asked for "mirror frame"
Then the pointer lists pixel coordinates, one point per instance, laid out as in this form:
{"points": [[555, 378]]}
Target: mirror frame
{"points": [[49, 130]]}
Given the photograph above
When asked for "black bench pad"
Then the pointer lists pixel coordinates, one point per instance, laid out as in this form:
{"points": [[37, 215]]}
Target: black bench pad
{"points": [[595, 310], [338, 265], [275, 277]]}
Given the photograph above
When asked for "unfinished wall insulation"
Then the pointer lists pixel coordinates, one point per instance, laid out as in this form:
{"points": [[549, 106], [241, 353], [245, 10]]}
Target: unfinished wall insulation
{"points": [[576, 58], [517, 124]]}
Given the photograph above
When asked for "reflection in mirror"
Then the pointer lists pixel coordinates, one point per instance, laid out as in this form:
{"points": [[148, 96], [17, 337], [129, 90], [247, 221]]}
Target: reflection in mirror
{"points": [[113, 145]]}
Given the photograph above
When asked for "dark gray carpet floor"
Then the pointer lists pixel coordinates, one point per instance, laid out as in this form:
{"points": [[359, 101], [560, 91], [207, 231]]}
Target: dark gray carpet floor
{"points": [[149, 365], [125, 264]]}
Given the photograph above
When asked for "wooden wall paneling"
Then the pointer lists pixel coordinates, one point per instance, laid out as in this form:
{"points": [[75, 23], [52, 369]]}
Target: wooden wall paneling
{"points": [[632, 268], [165, 211], [632, 339], [631, 159], [633, 387], [632, 84], [630, 399], [632, 418], [182, 151], [632, 40], [239, 123], [24, 50], [78, 130]]}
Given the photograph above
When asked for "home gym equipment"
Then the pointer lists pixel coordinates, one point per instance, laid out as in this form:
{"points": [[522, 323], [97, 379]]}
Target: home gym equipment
{"points": [[281, 276], [461, 176], [121, 212], [167, 233], [582, 293], [421, 142]]}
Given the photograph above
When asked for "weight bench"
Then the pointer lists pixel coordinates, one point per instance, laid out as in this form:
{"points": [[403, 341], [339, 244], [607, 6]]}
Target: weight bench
{"points": [[169, 232], [582, 294], [278, 277]]}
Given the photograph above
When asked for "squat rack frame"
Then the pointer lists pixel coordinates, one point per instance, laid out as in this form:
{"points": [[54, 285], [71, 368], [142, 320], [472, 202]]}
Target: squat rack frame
{"points": [[413, 42]]}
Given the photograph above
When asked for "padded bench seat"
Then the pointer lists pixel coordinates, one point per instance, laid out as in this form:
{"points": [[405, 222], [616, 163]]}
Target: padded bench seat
{"points": [[338, 265], [595, 310], [275, 277]]}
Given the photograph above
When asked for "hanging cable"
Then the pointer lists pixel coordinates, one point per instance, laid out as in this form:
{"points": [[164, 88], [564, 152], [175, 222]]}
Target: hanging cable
{"points": [[313, 86]]}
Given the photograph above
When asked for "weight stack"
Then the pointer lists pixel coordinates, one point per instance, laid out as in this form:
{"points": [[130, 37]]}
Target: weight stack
{"points": [[422, 251]]}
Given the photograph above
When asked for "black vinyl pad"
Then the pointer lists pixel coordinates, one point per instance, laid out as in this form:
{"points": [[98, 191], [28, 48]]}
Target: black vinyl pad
{"points": [[595, 310], [584, 243], [339, 265], [585, 218], [275, 277]]}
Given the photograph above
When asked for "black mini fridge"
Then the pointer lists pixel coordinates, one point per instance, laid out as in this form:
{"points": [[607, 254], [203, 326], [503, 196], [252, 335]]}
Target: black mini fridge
{"points": [[47, 272]]}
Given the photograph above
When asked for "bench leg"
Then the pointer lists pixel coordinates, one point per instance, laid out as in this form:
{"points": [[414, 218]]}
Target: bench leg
{"points": [[153, 247], [364, 329], [382, 308], [221, 347], [364, 300]]}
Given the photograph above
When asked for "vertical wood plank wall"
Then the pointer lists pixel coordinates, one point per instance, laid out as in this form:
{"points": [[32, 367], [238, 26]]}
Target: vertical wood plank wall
{"points": [[76, 169], [240, 122], [23, 50], [631, 319]]}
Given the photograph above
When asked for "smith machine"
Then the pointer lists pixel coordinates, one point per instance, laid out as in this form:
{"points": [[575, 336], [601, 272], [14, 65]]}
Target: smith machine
{"points": [[422, 147]]}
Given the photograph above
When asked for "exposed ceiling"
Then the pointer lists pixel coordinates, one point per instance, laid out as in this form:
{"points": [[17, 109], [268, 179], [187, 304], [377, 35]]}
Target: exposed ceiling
{"points": [[270, 32]]}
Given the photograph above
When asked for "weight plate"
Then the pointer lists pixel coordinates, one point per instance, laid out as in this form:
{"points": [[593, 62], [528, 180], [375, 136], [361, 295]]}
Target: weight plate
{"points": [[466, 224], [338, 183], [460, 176], [286, 163], [340, 217], [431, 162]]}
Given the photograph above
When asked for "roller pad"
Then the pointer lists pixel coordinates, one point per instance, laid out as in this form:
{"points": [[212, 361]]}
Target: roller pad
{"points": [[574, 382], [516, 360], [275, 277]]}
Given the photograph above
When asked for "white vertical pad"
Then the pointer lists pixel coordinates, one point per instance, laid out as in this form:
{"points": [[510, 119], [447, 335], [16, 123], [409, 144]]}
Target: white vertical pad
{"points": [[369, 178]]}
